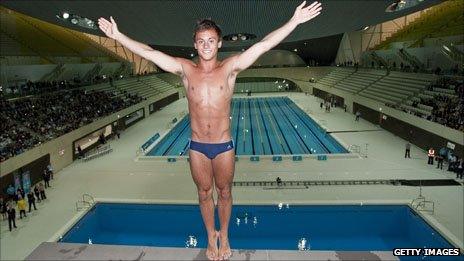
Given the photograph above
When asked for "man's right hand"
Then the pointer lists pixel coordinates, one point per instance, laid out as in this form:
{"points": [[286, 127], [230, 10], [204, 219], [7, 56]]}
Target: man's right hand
{"points": [[109, 28]]}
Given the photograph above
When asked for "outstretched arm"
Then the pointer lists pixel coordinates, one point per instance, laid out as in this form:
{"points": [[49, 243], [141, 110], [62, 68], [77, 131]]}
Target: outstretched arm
{"points": [[162, 60], [302, 14]]}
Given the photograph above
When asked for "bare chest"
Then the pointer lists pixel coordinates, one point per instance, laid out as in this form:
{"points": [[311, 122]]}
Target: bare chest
{"points": [[208, 88]]}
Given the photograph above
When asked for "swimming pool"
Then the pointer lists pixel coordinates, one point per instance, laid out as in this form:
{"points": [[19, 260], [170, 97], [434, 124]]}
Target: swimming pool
{"points": [[260, 126], [323, 227]]}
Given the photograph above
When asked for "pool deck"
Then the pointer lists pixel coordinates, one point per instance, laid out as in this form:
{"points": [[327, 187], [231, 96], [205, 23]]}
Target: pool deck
{"points": [[120, 175], [71, 251]]}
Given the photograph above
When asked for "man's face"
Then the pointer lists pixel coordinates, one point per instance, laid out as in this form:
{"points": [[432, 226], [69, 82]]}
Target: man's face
{"points": [[207, 43]]}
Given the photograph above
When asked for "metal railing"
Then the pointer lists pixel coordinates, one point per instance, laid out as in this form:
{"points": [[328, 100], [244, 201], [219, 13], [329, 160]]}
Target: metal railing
{"points": [[86, 202], [421, 204], [98, 152]]}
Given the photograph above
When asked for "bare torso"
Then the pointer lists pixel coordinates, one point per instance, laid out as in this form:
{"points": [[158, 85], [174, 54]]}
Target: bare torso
{"points": [[209, 95]]}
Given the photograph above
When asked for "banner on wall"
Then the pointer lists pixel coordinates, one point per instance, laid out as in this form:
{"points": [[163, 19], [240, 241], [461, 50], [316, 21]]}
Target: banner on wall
{"points": [[17, 181], [26, 181]]}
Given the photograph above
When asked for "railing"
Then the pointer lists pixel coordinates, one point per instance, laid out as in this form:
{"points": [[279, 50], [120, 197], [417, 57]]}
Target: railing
{"points": [[453, 53], [411, 59], [92, 73], [421, 204], [354, 148], [55, 74], [305, 184], [86, 202], [98, 152], [379, 60]]}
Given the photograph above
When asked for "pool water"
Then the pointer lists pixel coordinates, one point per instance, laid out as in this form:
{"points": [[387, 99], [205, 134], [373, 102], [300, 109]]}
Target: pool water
{"points": [[260, 126], [315, 227]]}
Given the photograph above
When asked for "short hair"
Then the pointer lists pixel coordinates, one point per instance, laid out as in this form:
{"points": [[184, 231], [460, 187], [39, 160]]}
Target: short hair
{"points": [[206, 24]]}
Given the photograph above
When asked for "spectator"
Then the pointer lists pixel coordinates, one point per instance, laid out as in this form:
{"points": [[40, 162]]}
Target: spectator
{"points": [[31, 200], [10, 191], [3, 208], [37, 193], [279, 181], [452, 160], [21, 207], [46, 178], [42, 191], [50, 170], [20, 192], [431, 155], [440, 161], [460, 169], [358, 114], [79, 151], [11, 211], [407, 153], [101, 139]]}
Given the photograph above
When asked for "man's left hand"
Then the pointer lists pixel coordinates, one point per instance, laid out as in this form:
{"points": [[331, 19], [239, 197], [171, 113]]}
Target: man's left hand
{"points": [[304, 14]]}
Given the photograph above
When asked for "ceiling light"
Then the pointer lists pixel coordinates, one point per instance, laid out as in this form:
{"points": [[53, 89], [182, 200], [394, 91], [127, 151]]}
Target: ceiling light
{"points": [[234, 38], [243, 37], [365, 28], [296, 50], [191, 54], [75, 19]]}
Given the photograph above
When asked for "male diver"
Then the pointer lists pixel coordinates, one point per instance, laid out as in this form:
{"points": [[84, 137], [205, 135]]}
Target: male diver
{"points": [[209, 86]]}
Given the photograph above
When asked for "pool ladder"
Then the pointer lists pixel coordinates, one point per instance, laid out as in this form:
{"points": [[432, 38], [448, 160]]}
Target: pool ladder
{"points": [[423, 205], [86, 202]]}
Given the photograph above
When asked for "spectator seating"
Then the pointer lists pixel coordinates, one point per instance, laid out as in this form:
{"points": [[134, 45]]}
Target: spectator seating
{"points": [[30, 120], [359, 80]]}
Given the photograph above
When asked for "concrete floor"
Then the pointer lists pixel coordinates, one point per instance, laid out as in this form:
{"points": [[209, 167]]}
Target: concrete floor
{"points": [[121, 176]]}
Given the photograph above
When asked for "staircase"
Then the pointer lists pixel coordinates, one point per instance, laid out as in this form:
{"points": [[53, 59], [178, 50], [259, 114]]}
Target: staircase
{"points": [[411, 59], [379, 60], [55, 74], [92, 73]]}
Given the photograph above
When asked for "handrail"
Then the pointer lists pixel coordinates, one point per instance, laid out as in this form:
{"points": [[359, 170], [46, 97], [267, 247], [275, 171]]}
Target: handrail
{"points": [[89, 197]]}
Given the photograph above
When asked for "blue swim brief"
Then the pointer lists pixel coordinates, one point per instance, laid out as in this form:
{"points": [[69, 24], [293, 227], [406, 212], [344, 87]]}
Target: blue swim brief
{"points": [[211, 150]]}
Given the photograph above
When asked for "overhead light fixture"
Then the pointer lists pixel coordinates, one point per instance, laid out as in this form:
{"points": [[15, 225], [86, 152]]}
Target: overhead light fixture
{"points": [[400, 5], [296, 50], [191, 54], [365, 28], [237, 37], [77, 20]]}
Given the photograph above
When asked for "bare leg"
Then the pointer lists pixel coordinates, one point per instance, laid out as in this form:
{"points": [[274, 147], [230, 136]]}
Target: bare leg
{"points": [[223, 169], [202, 174]]}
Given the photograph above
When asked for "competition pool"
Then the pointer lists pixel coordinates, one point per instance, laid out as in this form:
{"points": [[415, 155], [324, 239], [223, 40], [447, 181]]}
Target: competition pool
{"points": [[260, 126], [284, 227]]}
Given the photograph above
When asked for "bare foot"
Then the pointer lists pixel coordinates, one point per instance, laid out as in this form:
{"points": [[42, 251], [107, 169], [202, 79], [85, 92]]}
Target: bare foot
{"points": [[224, 248], [212, 249]]}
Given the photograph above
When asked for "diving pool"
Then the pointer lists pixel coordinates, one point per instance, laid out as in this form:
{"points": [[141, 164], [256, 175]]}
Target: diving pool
{"points": [[283, 227], [260, 126]]}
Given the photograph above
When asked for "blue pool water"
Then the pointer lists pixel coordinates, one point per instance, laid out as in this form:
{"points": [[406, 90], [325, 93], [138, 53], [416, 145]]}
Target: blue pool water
{"points": [[347, 227], [260, 126]]}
